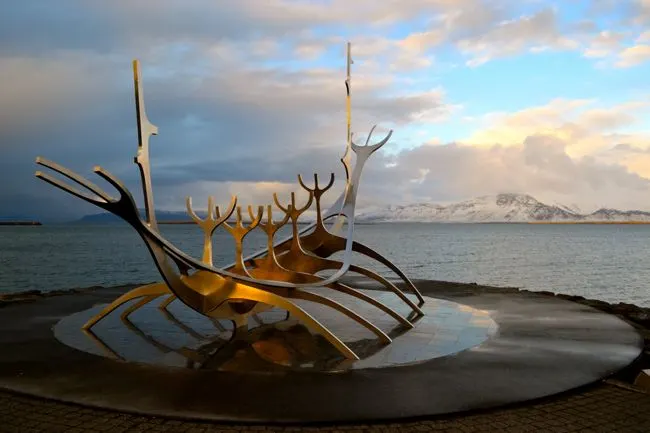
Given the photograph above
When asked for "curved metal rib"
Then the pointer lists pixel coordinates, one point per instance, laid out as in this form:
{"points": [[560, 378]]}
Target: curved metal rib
{"points": [[164, 305], [298, 260], [299, 266], [233, 291], [309, 264], [309, 321], [177, 322], [323, 243], [390, 286], [155, 289], [313, 297], [369, 252], [132, 308], [270, 268], [336, 241]]}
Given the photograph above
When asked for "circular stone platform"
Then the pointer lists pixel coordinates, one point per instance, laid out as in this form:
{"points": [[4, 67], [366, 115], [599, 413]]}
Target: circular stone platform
{"points": [[470, 352]]}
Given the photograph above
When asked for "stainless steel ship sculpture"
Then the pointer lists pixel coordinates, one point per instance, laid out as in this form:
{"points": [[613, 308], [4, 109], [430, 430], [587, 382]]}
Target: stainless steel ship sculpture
{"points": [[274, 277]]}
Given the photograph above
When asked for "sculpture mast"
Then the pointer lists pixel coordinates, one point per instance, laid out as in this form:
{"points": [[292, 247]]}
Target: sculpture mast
{"points": [[347, 156], [348, 105], [145, 130]]}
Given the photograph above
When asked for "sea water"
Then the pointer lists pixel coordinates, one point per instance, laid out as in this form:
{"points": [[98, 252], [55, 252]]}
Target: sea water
{"points": [[608, 262]]}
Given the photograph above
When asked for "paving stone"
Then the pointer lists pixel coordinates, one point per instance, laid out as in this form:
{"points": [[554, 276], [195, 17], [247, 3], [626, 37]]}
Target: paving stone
{"points": [[601, 408]]}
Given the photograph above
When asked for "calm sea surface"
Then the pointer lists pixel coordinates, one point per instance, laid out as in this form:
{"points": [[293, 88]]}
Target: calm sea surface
{"points": [[608, 262]]}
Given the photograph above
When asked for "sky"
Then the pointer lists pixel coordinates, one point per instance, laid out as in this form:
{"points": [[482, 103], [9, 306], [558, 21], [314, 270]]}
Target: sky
{"points": [[550, 99]]}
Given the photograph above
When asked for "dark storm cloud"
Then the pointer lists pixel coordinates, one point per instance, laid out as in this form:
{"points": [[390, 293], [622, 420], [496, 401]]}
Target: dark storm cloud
{"points": [[37, 27], [227, 119], [67, 95], [219, 121]]}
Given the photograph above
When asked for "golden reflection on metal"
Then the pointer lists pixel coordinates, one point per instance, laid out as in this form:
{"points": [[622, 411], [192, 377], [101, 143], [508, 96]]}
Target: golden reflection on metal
{"points": [[239, 232], [275, 276], [296, 265], [333, 245], [177, 322], [164, 304], [321, 243], [235, 351], [269, 268], [102, 344], [235, 301], [210, 223], [139, 292]]}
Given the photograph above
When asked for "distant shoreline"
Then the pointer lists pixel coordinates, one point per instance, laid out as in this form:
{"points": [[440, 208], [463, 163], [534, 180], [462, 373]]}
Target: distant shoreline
{"points": [[20, 223], [182, 222], [38, 223], [589, 222], [503, 222]]}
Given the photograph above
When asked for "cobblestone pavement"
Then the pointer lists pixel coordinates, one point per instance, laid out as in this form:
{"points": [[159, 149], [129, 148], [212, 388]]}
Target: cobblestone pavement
{"points": [[600, 408]]}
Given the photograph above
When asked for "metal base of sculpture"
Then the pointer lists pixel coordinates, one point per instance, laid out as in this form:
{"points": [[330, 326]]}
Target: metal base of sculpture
{"points": [[274, 277]]}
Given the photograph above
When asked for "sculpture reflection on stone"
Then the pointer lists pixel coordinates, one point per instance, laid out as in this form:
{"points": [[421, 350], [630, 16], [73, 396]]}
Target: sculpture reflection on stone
{"points": [[274, 277]]}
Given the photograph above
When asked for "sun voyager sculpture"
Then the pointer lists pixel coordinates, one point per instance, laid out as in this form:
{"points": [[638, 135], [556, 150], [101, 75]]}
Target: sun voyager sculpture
{"points": [[285, 271]]}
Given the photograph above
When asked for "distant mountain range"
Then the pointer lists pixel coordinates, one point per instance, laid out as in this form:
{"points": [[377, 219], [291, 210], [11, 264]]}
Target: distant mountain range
{"points": [[498, 208], [485, 209]]}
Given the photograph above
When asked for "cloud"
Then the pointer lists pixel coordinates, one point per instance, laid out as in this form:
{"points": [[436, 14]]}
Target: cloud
{"points": [[644, 37], [604, 44], [37, 92], [633, 56], [584, 128], [539, 166], [484, 31], [247, 94], [639, 12], [142, 23], [536, 32], [480, 29], [624, 47], [245, 124], [634, 154]]}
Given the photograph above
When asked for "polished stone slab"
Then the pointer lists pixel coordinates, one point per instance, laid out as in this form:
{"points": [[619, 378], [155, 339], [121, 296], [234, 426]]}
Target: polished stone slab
{"points": [[181, 337], [542, 346]]}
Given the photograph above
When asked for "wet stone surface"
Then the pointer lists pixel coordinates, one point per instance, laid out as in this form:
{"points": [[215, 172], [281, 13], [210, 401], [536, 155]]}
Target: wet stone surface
{"points": [[180, 337]]}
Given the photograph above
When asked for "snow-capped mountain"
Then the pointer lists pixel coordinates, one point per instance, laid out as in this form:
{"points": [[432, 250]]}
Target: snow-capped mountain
{"points": [[618, 215], [496, 208]]}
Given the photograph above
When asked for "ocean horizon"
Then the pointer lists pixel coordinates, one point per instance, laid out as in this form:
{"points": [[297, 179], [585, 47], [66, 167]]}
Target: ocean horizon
{"points": [[607, 262]]}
